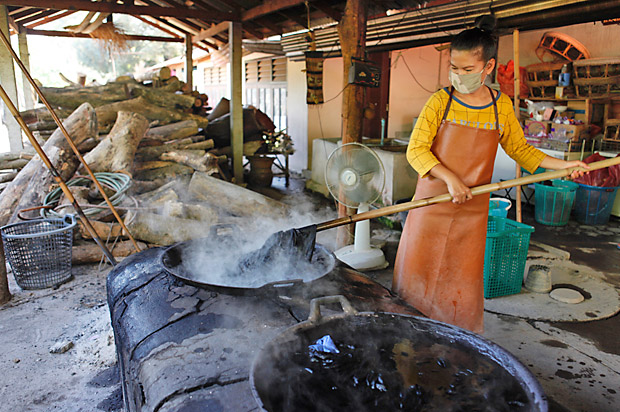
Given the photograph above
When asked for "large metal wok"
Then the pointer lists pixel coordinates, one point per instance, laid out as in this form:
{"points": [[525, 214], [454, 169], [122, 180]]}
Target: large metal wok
{"points": [[190, 262], [389, 362]]}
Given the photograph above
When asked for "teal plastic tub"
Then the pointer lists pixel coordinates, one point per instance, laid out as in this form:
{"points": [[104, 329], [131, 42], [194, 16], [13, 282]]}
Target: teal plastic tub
{"points": [[593, 204], [554, 203], [505, 255]]}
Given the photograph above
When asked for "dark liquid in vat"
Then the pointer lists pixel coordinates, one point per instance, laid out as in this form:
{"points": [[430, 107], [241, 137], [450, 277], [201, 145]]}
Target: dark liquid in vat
{"points": [[385, 373]]}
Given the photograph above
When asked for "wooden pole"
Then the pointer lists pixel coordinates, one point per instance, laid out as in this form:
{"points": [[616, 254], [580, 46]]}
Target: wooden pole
{"points": [[478, 190], [5, 294], [352, 33], [189, 62], [64, 131], [517, 85], [24, 55], [7, 79], [236, 107]]}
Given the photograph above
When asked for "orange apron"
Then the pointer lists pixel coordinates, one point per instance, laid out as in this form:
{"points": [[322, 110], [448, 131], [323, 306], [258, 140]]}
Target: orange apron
{"points": [[440, 260]]}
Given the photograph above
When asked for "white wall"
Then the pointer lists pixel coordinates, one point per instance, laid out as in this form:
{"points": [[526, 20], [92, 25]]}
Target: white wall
{"points": [[297, 112], [407, 97]]}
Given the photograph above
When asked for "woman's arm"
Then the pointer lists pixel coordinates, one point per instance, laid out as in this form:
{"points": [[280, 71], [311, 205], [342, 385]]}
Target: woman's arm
{"points": [[459, 191]]}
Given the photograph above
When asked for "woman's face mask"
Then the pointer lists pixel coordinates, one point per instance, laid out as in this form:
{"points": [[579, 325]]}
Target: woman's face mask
{"points": [[466, 83]]}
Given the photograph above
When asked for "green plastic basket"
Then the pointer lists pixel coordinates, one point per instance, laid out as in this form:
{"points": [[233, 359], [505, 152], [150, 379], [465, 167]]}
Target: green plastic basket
{"points": [[505, 255], [554, 203]]}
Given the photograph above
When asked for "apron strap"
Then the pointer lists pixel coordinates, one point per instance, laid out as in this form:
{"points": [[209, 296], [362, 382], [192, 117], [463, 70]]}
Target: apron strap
{"points": [[445, 113], [494, 109]]}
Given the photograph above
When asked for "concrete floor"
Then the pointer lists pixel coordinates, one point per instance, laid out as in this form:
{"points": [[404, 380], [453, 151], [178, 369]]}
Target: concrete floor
{"points": [[578, 364]]}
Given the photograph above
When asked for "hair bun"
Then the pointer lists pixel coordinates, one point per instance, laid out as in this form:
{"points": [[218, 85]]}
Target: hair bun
{"points": [[486, 23]]}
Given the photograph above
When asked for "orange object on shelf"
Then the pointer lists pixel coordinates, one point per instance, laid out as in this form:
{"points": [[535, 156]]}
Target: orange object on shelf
{"points": [[561, 47]]}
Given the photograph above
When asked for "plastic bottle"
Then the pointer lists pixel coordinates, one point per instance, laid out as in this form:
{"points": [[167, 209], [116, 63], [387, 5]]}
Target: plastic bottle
{"points": [[564, 79]]}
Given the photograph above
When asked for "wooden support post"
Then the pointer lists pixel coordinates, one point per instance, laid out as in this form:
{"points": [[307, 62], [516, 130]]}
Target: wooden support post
{"points": [[5, 294], [189, 62], [236, 108], [7, 79], [352, 33], [515, 40], [24, 56]]}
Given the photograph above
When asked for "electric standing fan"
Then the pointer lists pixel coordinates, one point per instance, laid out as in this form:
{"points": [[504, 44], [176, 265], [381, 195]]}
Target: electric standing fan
{"points": [[355, 177]]}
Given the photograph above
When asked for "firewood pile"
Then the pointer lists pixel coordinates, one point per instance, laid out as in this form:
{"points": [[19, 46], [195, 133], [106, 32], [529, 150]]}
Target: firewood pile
{"points": [[178, 165]]}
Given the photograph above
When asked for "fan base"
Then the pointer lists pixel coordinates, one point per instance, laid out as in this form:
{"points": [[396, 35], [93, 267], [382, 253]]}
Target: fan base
{"points": [[368, 259]]}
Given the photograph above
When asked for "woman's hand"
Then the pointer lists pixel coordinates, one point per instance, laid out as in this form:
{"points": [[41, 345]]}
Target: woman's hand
{"points": [[459, 191], [558, 164], [576, 163]]}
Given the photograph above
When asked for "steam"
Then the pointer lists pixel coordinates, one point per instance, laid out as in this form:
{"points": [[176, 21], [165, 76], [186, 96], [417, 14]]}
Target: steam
{"points": [[221, 243]]}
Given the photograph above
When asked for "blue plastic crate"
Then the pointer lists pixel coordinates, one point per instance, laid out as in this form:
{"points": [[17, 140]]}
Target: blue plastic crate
{"points": [[593, 204]]}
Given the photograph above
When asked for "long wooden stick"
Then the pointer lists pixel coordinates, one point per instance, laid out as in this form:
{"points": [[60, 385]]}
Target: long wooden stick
{"points": [[517, 86], [64, 131], [56, 175], [478, 190]]}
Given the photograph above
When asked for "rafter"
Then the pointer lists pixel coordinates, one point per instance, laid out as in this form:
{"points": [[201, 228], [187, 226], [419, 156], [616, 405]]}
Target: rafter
{"points": [[326, 8], [36, 17], [212, 31], [178, 12], [50, 19], [268, 8], [135, 37]]}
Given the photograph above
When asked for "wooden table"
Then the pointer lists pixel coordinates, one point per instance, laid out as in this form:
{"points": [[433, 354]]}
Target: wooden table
{"points": [[187, 348]]}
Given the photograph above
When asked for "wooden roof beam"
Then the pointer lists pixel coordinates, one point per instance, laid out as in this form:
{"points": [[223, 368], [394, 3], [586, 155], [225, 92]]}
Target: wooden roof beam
{"points": [[132, 37], [326, 8], [268, 8], [155, 11], [50, 19], [35, 17]]}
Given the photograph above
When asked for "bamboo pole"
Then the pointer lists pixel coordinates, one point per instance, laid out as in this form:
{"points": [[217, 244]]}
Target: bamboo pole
{"points": [[517, 86], [478, 190], [64, 131], [55, 174]]}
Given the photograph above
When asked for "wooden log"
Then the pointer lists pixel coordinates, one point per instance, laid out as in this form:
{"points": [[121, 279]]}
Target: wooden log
{"points": [[42, 125], [80, 193], [249, 149], [106, 115], [4, 157], [7, 177], [163, 98], [187, 140], [116, 152], [152, 164], [87, 145], [164, 230], [153, 152], [204, 145], [173, 84], [168, 172], [34, 181], [179, 184], [43, 115], [91, 252], [201, 163], [173, 131], [71, 97], [105, 230], [232, 198], [13, 164]]}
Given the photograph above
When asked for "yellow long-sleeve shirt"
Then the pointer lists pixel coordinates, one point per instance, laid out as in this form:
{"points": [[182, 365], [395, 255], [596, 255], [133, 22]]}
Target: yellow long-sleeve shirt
{"points": [[419, 152]]}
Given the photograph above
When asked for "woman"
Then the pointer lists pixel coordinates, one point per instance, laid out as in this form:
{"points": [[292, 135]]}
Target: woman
{"points": [[440, 261]]}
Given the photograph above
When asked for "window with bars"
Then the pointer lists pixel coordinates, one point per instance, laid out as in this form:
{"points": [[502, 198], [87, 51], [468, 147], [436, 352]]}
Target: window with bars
{"points": [[216, 84], [265, 88]]}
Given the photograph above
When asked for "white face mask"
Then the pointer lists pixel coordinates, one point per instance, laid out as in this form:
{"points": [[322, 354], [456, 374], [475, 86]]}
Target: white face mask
{"points": [[466, 83]]}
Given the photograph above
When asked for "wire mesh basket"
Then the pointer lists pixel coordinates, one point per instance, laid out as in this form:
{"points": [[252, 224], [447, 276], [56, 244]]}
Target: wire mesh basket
{"points": [[39, 251]]}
